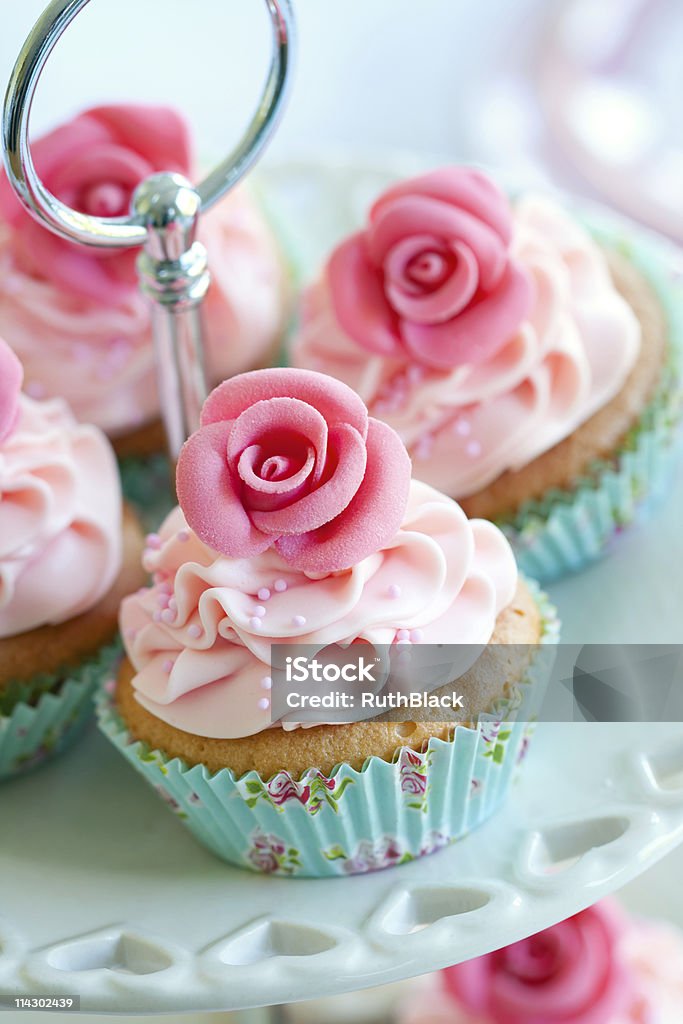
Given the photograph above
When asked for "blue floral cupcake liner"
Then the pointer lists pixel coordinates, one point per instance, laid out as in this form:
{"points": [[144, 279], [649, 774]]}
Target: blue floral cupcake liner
{"points": [[352, 822], [42, 717], [565, 530]]}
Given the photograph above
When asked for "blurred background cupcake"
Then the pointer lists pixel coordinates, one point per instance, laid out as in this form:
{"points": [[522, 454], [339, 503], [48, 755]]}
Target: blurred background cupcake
{"points": [[75, 315], [599, 967], [530, 365], [68, 553], [311, 534]]}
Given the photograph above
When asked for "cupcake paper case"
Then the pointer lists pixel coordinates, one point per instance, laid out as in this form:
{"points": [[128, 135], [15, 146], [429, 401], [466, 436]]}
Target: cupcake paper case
{"points": [[598, 967], [68, 554], [534, 384], [190, 709]]}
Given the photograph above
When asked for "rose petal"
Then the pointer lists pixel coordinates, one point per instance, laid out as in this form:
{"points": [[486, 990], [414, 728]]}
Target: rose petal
{"points": [[11, 377], [158, 133], [413, 215], [106, 163], [287, 416], [463, 187], [267, 495], [326, 502], [357, 293], [372, 518], [209, 496], [479, 331], [447, 300], [335, 401]]}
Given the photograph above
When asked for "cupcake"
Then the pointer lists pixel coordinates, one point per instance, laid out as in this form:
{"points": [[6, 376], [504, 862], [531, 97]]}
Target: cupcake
{"points": [[529, 360], [599, 967], [74, 315], [68, 554], [298, 524]]}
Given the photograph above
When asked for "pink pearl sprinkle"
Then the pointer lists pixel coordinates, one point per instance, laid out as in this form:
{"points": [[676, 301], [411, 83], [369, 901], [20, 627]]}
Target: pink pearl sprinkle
{"points": [[417, 636], [403, 634], [153, 541], [167, 666], [156, 617], [403, 642], [462, 427], [299, 620], [255, 623], [163, 600], [166, 588], [183, 536], [259, 611], [263, 594], [168, 615], [266, 683], [194, 631], [264, 703], [280, 586], [173, 604], [473, 449], [394, 591]]}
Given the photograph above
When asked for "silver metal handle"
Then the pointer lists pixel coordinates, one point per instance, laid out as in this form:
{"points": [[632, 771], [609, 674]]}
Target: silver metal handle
{"points": [[173, 266]]}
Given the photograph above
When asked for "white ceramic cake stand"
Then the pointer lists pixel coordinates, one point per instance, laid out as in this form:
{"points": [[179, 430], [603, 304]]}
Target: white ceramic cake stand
{"points": [[105, 895]]}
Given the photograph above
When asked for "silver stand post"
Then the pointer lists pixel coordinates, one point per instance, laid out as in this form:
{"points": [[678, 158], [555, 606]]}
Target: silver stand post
{"points": [[173, 265]]}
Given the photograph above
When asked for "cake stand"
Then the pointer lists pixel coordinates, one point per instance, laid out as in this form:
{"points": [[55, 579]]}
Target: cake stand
{"points": [[105, 895]]}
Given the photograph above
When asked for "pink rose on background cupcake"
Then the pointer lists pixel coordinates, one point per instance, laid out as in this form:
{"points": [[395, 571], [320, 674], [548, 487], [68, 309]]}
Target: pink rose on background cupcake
{"points": [[572, 971], [11, 376], [94, 164], [432, 273], [291, 459]]}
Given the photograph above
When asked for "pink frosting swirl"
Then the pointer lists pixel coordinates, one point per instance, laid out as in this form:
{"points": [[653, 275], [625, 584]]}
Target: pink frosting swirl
{"points": [[466, 425], [11, 376], [200, 637], [570, 972], [432, 273], [60, 518], [290, 458], [74, 314]]}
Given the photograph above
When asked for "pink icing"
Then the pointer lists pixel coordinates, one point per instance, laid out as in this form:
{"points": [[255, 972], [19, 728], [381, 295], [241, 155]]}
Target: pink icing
{"points": [[202, 653], [431, 276], [289, 458], [465, 426], [11, 376], [60, 518], [649, 956], [76, 319]]}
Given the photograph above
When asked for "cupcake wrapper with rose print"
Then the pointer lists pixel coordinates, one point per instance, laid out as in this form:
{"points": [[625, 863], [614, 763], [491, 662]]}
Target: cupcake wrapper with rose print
{"points": [[42, 717], [566, 530], [352, 821], [147, 485]]}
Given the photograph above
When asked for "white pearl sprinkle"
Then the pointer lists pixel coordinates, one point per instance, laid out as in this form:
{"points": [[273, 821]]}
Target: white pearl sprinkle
{"points": [[299, 620], [280, 586], [183, 536], [403, 634], [195, 631], [263, 594], [266, 683], [462, 427], [416, 636], [394, 591], [264, 703], [473, 449], [259, 611], [255, 623]]}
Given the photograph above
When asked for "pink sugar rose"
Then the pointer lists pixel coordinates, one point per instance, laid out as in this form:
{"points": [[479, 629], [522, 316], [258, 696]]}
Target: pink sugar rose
{"points": [[11, 377], [432, 272], [94, 163], [291, 458], [572, 971]]}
